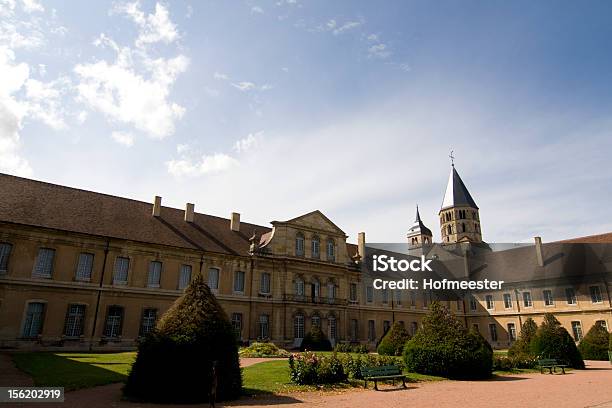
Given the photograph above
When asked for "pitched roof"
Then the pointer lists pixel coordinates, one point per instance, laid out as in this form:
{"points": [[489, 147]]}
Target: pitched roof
{"points": [[35, 203], [456, 193], [418, 227], [39, 204], [591, 239]]}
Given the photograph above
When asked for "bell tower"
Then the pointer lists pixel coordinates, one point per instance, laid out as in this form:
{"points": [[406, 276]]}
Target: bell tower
{"points": [[459, 218], [418, 235]]}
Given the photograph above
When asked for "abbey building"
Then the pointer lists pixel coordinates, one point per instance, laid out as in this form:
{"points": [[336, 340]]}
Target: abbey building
{"points": [[84, 270]]}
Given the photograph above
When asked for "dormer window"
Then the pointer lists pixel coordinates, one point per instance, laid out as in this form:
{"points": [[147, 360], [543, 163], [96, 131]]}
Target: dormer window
{"points": [[299, 244], [331, 250], [316, 247]]}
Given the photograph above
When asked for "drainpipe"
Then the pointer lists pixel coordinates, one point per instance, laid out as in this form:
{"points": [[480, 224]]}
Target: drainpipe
{"points": [[95, 322]]}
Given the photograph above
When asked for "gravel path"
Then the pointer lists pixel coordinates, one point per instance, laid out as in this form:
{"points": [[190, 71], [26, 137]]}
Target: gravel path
{"points": [[578, 388]]}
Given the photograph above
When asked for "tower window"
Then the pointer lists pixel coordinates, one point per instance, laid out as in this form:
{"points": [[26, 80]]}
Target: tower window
{"points": [[449, 230], [463, 227]]}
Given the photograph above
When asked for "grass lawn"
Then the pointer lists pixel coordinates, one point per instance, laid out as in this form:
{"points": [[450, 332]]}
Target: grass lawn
{"points": [[75, 370]]}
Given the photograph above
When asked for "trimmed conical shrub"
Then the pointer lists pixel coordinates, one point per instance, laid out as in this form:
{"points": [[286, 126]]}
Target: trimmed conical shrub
{"points": [[553, 341], [594, 346], [315, 340], [521, 347], [193, 338], [444, 347], [394, 341]]}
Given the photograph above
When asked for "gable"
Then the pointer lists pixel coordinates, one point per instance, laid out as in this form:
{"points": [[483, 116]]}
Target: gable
{"points": [[315, 220]]}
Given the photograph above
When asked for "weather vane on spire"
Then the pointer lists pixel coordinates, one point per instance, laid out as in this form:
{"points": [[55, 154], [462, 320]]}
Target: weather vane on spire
{"points": [[452, 158]]}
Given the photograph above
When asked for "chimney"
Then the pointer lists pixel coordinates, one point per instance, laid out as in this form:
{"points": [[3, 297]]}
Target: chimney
{"points": [[157, 206], [361, 245], [235, 222], [538, 248], [189, 212]]}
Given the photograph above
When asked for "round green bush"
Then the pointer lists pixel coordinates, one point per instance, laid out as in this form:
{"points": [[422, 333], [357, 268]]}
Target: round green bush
{"points": [[595, 344], [315, 340], [443, 347], [553, 341], [263, 350], [175, 363], [394, 341]]}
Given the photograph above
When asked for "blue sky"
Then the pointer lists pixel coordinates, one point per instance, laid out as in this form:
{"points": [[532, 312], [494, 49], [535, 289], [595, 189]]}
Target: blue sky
{"points": [[276, 108]]}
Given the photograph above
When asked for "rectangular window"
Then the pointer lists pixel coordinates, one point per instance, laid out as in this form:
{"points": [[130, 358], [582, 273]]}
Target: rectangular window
{"points": [[425, 300], [114, 322], [32, 326], [398, 297], [473, 303], [511, 332], [75, 319], [264, 327], [84, 267], [237, 324], [476, 328], [122, 266], [213, 278], [239, 281], [527, 299], [570, 296], [493, 331], [353, 292], [149, 318], [332, 328], [595, 294], [386, 326], [155, 268], [489, 300], [369, 294], [548, 297], [331, 292], [331, 250], [298, 327], [264, 284], [385, 296], [507, 301], [414, 326], [184, 276], [577, 330], [413, 298], [5, 252], [602, 323], [299, 246], [371, 330], [44, 263], [316, 249], [354, 329], [315, 321]]}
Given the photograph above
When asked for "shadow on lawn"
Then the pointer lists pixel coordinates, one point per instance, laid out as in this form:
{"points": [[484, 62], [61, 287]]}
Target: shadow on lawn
{"points": [[257, 397], [50, 369]]}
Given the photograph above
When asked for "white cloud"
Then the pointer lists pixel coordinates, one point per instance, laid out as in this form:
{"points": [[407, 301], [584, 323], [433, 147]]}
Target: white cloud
{"points": [[30, 6], [123, 138], [248, 143], [372, 37], [135, 88], [345, 27], [216, 163], [379, 51], [220, 76], [154, 28], [244, 86], [257, 10], [82, 117]]}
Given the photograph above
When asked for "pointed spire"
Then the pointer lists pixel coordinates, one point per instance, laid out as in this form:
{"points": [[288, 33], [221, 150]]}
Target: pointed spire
{"points": [[418, 216], [418, 227], [457, 193]]}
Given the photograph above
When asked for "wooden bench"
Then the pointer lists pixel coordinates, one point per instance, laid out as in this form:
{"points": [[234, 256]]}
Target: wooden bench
{"points": [[551, 364], [376, 374]]}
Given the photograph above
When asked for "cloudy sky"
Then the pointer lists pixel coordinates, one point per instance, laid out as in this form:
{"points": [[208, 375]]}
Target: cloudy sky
{"points": [[276, 108]]}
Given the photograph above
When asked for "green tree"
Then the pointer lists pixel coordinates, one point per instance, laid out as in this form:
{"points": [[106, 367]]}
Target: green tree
{"points": [[521, 347], [392, 344], [315, 340], [192, 350], [444, 347], [553, 341], [595, 344]]}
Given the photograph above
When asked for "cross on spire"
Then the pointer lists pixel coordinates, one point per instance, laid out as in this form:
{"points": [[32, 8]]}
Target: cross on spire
{"points": [[452, 158]]}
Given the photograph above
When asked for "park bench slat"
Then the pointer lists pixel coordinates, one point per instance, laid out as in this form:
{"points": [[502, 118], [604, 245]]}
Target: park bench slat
{"points": [[552, 365], [382, 373]]}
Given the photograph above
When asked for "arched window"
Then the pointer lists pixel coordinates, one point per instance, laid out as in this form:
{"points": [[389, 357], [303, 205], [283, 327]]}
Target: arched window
{"points": [[315, 321], [299, 287], [316, 247], [449, 231], [463, 227], [331, 250], [299, 244], [331, 292]]}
